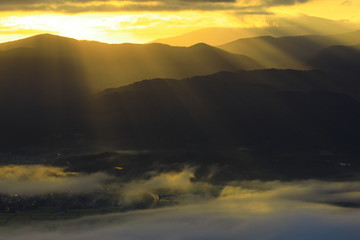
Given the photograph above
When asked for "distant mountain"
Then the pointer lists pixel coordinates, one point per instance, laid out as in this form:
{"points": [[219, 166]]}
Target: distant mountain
{"points": [[338, 59], [280, 109], [288, 52], [279, 27], [111, 65], [211, 36]]}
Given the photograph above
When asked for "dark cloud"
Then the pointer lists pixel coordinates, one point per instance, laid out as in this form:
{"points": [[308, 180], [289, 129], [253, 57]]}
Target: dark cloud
{"points": [[143, 6], [72, 6], [284, 2], [13, 2], [346, 3]]}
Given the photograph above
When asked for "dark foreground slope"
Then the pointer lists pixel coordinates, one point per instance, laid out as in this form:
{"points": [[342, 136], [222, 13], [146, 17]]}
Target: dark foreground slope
{"points": [[40, 97], [262, 109], [265, 124], [282, 109]]}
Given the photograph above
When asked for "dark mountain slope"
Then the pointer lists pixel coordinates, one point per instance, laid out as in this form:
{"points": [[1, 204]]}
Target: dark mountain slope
{"points": [[263, 109], [39, 96], [113, 65], [343, 59], [44, 98], [282, 110], [287, 52]]}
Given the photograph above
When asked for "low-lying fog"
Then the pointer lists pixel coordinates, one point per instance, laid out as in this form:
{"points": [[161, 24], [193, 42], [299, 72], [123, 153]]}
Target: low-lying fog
{"points": [[308, 209]]}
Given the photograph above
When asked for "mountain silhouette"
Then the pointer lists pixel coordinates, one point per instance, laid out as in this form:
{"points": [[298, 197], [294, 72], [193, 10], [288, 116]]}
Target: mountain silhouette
{"points": [[47, 95], [288, 52], [280, 27], [343, 59], [112, 65], [39, 96], [265, 109]]}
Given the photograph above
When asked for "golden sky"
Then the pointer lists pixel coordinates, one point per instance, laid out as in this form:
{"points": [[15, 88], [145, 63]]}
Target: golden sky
{"points": [[117, 21]]}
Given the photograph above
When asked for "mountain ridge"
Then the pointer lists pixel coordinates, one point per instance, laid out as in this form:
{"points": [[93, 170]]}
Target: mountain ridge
{"points": [[290, 51], [295, 26], [111, 65]]}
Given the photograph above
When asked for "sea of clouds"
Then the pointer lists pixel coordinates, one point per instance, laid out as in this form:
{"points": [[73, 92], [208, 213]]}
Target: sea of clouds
{"points": [[296, 210]]}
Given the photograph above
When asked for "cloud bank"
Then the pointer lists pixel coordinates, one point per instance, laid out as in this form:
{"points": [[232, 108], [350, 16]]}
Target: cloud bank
{"points": [[31, 180], [72, 6], [242, 210]]}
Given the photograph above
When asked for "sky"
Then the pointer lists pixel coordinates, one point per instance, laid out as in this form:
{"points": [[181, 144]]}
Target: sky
{"points": [[140, 21]]}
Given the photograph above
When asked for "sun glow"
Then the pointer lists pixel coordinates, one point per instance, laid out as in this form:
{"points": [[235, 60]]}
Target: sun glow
{"points": [[83, 27], [118, 27], [106, 24]]}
